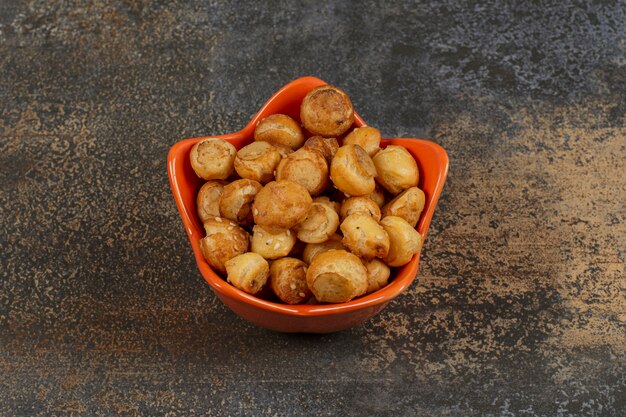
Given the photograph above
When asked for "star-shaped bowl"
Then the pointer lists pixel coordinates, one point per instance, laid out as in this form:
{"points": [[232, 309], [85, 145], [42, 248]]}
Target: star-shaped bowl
{"points": [[432, 161]]}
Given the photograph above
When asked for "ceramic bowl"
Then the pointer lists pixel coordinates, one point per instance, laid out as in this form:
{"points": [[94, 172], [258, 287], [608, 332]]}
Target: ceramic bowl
{"points": [[322, 318]]}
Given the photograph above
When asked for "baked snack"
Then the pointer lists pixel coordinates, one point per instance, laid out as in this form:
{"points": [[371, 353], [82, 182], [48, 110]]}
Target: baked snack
{"points": [[212, 159], [313, 249], [305, 167], [217, 224], [281, 204], [279, 129], [248, 272], [408, 205], [313, 209], [327, 111], [366, 137], [378, 195], [405, 241], [352, 171], [224, 240], [377, 275], [208, 199], [320, 223], [272, 243], [257, 161], [336, 276], [283, 150], [363, 204], [327, 147], [236, 200], [288, 280], [364, 237], [396, 169], [330, 203]]}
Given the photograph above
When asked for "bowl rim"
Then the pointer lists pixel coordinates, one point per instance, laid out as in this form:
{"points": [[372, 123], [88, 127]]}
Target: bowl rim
{"points": [[404, 277]]}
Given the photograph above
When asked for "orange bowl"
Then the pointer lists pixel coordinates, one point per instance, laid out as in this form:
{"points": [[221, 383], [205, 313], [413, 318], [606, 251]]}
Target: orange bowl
{"points": [[432, 161]]}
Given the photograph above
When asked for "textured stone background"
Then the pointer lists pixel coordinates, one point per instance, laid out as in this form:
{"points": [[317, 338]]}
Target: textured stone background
{"points": [[520, 304]]}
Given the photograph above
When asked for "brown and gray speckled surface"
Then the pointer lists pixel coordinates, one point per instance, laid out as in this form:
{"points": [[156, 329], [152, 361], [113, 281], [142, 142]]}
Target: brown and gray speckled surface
{"points": [[520, 305]]}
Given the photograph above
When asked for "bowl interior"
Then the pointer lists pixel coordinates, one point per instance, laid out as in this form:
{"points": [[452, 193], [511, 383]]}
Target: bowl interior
{"points": [[431, 158]]}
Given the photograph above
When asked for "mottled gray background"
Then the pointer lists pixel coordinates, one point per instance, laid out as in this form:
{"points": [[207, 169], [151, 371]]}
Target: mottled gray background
{"points": [[519, 307]]}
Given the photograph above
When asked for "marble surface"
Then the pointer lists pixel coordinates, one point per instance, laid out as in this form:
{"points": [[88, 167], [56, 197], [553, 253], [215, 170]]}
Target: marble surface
{"points": [[519, 308]]}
